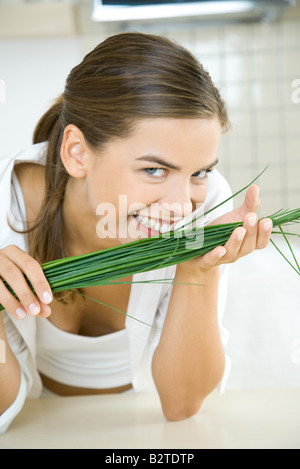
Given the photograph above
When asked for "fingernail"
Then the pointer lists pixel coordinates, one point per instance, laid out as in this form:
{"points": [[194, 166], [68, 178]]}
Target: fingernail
{"points": [[221, 253], [267, 225], [34, 309], [47, 297], [252, 221], [241, 235], [20, 313]]}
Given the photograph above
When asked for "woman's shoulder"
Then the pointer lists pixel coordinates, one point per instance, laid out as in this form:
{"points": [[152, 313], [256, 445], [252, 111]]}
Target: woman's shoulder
{"points": [[27, 171], [10, 193], [31, 177]]}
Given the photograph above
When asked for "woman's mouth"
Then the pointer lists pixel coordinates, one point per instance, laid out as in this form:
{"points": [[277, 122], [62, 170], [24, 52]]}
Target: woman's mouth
{"points": [[153, 227]]}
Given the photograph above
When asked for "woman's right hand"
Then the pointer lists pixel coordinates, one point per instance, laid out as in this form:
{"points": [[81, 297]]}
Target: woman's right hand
{"points": [[14, 264]]}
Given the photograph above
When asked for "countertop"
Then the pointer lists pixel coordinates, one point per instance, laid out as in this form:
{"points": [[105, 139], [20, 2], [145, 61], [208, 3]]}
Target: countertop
{"points": [[239, 419]]}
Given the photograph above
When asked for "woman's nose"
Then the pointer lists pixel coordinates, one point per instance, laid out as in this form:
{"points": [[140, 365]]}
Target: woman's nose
{"points": [[178, 202]]}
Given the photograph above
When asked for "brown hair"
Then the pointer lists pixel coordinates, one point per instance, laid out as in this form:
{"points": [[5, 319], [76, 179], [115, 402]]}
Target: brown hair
{"points": [[126, 77]]}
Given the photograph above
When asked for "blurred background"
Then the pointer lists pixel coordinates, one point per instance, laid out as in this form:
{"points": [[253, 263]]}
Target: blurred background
{"points": [[254, 59]]}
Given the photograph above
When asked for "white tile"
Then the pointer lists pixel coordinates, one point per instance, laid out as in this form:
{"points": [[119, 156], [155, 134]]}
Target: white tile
{"points": [[293, 201], [291, 33], [271, 180], [242, 151], [240, 178], [292, 148], [266, 94], [184, 37], [293, 178], [213, 64], [236, 38], [270, 151], [207, 41], [237, 96], [242, 124], [237, 67], [291, 63], [292, 121], [270, 202], [266, 36], [268, 123], [265, 65]]}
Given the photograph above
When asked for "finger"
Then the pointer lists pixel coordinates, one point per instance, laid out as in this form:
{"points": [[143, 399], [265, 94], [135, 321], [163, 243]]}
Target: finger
{"points": [[35, 275], [250, 240], [234, 244], [16, 280], [14, 307], [45, 311], [10, 303], [264, 233], [212, 258], [251, 202]]}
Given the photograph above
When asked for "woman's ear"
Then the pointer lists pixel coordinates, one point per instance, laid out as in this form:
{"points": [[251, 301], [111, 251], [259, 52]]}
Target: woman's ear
{"points": [[73, 152]]}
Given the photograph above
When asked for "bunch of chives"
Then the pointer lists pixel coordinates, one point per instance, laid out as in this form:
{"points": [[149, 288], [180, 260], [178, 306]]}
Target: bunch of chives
{"points": [[107, 266], [143, 255]]}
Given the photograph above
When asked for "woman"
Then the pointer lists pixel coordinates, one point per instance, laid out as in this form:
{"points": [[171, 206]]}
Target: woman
{"points": [[139, 120]]}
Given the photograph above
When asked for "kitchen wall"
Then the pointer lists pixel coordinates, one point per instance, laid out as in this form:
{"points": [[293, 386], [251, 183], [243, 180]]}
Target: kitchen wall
{"points": [[257, 68]]}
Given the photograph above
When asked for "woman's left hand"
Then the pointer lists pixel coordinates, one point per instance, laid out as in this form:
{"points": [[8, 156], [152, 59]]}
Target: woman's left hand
{"points": [[244, 239]]}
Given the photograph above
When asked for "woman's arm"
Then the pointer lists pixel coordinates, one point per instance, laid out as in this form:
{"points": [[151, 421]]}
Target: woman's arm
{"points": [[10, 374], [14, 263], [188, 362]]}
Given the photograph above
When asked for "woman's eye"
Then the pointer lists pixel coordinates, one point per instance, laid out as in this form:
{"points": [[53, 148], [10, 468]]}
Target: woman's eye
{"points": [[157, 172], [202, 174]]}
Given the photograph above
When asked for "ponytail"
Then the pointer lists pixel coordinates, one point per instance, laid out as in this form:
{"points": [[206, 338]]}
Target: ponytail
{"points": [[48, 122], [46, 240]]}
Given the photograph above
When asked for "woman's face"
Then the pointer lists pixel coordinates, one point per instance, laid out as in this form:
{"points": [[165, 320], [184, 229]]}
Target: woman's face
{"points": [[142, 185]]}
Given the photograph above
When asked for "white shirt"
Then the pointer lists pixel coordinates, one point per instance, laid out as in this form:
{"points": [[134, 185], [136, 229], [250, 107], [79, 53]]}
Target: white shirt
{"points": [[148, 301]]}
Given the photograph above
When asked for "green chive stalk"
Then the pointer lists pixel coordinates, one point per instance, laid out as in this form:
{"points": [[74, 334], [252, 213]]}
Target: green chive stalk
{"points": [[106, 267]]}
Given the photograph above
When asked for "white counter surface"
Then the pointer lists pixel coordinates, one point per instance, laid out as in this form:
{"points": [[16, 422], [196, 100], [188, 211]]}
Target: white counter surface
{"points": [[268, 418]]}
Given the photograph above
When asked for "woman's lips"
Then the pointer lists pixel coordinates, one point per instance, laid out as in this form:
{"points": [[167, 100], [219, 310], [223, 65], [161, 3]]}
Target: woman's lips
{"points": [[153, 227]]}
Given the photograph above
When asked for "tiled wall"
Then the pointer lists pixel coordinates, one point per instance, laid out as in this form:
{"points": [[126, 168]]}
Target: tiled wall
{"points": [[254, 65]]}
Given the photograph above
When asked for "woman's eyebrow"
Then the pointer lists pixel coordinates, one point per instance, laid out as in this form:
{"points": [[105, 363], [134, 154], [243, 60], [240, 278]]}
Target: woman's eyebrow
{"points": [[160, 161], [156, 159], [211, 165]]}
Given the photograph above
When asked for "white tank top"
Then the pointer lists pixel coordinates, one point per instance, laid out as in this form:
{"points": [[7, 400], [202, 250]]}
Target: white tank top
{"points": [[87, 362]]}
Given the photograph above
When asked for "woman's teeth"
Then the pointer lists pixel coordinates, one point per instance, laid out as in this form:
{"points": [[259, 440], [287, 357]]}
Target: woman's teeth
{"points": [[154, 225]]}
